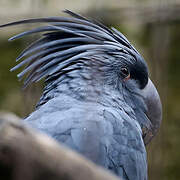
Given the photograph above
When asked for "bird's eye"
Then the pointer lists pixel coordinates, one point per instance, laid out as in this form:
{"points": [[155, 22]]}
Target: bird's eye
{"points": [[125, 72]]}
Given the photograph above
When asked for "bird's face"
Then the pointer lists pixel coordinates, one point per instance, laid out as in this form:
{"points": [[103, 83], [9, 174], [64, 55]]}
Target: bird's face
{"points": [[138, 72]]}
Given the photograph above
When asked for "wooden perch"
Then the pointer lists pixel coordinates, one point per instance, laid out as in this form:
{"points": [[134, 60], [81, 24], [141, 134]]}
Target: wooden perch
{"points": [[28, 155]]}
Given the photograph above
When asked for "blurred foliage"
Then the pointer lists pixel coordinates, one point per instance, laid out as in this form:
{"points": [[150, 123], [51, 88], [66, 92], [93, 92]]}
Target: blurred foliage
{"points": [[172, 122], [159, 44], [12, 96]]}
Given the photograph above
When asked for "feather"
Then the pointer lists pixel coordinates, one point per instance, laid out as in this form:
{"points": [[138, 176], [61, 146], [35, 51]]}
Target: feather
{"points": [[86, 28], [71, 60], [36, 30], [34, 56], [64, 42], [31, 46], [49, 44]]}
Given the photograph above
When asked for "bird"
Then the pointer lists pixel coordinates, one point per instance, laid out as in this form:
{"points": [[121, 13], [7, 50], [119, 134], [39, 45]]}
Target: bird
{"points": [[98, 98]]}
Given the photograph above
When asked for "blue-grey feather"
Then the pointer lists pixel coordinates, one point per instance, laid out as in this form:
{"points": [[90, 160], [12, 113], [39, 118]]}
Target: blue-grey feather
{"points": [[121, 37], [53, 63], [51, 43], [36, 30], [31, 46], [57, 54], [40, 54], [71, 60]]}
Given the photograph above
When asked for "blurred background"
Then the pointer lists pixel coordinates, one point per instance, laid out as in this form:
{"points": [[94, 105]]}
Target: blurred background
{"points": [[152, 26]]}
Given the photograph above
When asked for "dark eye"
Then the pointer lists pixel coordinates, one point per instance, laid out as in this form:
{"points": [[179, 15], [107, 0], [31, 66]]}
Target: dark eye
{"points": [[125, 71]]}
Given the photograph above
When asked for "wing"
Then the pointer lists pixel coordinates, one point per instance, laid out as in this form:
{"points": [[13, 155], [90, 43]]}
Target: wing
{"points": [[107, 136], [126, 154]]}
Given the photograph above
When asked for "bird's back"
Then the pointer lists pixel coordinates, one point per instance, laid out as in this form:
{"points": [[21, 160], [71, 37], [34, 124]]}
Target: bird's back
{"points": [[106, 135]]}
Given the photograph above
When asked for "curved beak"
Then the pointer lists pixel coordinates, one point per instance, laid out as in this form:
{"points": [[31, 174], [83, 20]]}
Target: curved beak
{"points": [[154, 110]]}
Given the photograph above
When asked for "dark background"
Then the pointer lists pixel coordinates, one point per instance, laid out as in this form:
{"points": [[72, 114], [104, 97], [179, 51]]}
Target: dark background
{"points": [[153, 27]]}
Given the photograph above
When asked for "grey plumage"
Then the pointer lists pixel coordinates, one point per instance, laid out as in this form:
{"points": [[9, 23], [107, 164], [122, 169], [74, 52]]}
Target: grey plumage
{"points": [[87, 103]]}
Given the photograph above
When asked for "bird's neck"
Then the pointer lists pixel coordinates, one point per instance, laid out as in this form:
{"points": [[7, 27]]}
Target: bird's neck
{"points": [[83, 86], [98, 91]]}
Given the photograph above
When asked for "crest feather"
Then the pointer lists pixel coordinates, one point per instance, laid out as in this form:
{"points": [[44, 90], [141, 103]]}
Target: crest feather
{"points": [[66, 41]]}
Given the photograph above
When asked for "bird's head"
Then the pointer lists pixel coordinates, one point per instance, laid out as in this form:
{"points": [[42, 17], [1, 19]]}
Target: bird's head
{"points": [[131, 71], [138, 73], [68, 44]]}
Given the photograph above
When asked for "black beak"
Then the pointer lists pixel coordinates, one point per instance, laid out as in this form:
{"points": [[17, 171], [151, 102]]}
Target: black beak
{"points": [[154, 110]]}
